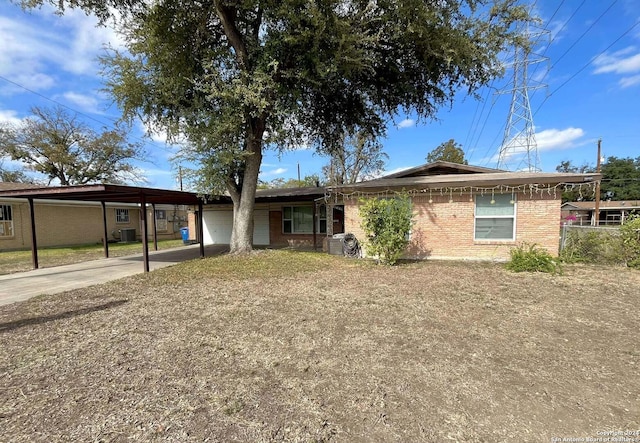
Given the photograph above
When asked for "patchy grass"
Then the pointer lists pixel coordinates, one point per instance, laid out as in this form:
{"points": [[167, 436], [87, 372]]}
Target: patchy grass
{"points": [[286, 346], [18, 261]]}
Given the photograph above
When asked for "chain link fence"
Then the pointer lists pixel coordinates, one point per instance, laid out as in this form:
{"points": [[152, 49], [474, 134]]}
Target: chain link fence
{"points": [[592, 244]]}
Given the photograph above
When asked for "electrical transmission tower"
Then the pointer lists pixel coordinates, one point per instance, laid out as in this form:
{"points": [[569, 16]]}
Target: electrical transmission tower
{"points": [[519, 150]]}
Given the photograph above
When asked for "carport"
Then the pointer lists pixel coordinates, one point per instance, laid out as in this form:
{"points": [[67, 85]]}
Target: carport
{"points": [[104, 193]]}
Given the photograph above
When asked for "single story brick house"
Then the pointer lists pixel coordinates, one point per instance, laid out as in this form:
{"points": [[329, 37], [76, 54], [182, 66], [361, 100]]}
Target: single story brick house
{"points": [[68, 223], [460, 211], [612, 212]]}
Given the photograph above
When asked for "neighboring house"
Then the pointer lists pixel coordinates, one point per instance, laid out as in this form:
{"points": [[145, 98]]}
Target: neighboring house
{"points": [[611, 212], [66, 223], [461, 211]]}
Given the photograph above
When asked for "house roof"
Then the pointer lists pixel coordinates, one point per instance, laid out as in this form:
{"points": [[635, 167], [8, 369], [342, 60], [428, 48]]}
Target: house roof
{"points": [[440, 168], [591, 205], [103, 192], [275, 194], [489, 179]]}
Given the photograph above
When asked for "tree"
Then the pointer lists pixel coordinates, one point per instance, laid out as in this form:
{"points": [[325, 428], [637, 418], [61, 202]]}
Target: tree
{"points": [[572, 193], [15, 176], [237, 77], [358, 157], [56, 144], [449, 151], [621, 179], [308, 181]]}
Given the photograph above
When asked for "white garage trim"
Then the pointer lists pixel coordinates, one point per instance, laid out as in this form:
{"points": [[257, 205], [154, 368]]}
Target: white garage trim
{"points": [[217, 226]]}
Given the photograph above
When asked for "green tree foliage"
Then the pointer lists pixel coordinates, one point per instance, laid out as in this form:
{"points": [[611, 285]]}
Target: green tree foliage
{"points": [[387, 224], [575, 194], [235, 77], [360, 156], [312, 180], [15, 176], [621, 179], [449, 151], [55, 143]]}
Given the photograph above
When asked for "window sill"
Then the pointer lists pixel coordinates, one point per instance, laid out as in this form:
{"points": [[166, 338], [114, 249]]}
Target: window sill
{"points": [[494, 242], [303, 233]]}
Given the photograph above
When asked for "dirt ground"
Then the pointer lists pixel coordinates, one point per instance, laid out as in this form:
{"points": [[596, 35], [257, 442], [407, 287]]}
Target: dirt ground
{"points": [[284, 346]]}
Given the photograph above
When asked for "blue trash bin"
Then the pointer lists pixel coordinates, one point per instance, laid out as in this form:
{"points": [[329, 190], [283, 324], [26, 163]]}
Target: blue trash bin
{"points": [[185, 235]]}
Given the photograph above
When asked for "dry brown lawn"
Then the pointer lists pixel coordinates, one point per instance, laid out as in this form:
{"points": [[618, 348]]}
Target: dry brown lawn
{"points": [[286, 346]]}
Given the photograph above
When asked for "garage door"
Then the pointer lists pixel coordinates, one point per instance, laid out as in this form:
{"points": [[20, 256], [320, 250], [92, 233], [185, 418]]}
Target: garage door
{"points": [[217, 227]]}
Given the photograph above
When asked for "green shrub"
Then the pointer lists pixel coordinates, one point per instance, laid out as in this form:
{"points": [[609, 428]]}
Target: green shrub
{"points": [[630, 235], [386, 223], [604, 247], [530, 258]]}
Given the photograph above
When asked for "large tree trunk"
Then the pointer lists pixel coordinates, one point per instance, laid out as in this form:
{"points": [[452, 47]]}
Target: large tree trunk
{"points": [[244, 200]]}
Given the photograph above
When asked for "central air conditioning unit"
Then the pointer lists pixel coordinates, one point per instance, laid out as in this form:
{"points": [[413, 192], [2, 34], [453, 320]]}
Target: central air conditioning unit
{"points": [[128, 235]]}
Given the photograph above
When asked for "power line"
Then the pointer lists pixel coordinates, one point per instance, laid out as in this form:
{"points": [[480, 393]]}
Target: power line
{"points": [[484, 104], [587, 65], [584, 33], [109, 125]]}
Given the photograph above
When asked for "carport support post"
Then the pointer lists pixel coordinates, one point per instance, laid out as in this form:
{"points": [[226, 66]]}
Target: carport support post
{"points": [[34, 243], [200, 230], [145, 245], [315, 225], [105, 241]]}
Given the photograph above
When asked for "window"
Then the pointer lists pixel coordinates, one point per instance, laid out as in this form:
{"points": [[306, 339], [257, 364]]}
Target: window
{"points": [[161, 220], [122, 216], [299, 220], [6, 221], [495, 217], [322, 220]]}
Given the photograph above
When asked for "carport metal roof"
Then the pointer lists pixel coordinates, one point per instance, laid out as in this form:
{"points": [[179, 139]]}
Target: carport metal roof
{"points": [[108, 193]]}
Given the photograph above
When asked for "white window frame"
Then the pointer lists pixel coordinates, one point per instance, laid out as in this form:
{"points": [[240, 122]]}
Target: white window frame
{"points": [[121, 214], [493, 216], [6, 221]]}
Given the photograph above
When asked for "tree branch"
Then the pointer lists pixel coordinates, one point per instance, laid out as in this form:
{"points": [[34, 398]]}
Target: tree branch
{"points": [[228, 19]]}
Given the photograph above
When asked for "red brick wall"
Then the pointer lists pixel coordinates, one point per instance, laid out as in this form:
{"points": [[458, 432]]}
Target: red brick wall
{"points": [[445, 230], [278, 238]]}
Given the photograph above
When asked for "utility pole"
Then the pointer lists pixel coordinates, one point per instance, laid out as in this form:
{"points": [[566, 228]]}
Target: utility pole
{"points": [[596, 211], [180, 176]]}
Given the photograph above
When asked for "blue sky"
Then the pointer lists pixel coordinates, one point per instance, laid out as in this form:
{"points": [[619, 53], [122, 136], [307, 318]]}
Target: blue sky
{"points": [[591, 90]]}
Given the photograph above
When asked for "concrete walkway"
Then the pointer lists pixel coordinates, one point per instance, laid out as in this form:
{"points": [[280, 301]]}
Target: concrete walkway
{"points": [[24, 285]]}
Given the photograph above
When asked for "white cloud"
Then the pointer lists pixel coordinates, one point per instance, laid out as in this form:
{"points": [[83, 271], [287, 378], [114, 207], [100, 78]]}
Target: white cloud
{"points": [[619, 62], [277, 171], [625, 82], [9, 116], [87, 103], [406, 123], [623, 62], [33, 47], [549, 139]]}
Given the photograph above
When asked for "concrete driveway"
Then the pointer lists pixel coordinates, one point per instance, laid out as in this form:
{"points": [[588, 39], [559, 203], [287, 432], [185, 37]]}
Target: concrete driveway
{"points": [[24, 285]]}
